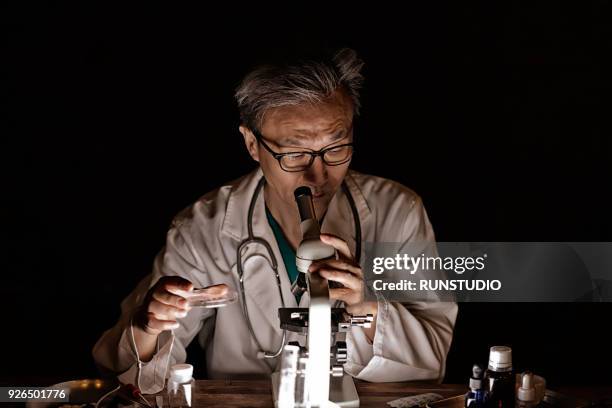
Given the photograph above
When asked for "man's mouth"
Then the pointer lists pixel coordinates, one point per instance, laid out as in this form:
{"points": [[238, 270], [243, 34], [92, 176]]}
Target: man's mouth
{"points": [[317, 193]]}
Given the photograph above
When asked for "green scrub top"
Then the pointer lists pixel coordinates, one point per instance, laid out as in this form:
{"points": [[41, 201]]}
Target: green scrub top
{"points": [[286, 251]]}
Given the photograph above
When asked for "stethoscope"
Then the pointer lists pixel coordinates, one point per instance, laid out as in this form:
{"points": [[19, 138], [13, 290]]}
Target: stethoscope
{"points": [[274, 264]]}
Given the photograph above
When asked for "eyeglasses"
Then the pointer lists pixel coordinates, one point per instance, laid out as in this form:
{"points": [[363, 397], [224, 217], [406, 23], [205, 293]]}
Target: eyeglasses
{"points": [[301, 160]]}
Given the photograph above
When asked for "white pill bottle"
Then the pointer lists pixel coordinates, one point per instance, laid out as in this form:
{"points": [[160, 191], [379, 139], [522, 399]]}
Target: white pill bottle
{"points": [[180, 386]]}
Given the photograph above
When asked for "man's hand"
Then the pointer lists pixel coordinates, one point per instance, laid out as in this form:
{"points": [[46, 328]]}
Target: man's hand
{"points": [[163, 305], [347, 272], [165, 302]]}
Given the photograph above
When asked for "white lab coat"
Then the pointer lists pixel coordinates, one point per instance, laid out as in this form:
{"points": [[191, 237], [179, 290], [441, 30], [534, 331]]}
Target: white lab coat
{"points": [[411, 340]]}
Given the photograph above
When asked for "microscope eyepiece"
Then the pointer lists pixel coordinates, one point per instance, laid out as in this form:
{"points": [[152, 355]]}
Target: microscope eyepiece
{"points": [[302, 191], [303, 198]]}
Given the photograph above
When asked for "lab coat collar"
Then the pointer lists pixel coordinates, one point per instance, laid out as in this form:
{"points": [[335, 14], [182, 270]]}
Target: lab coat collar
{"points": [[335, 222]]}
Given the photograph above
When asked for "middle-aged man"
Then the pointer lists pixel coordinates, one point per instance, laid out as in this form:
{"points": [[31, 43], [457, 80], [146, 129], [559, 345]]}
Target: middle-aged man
{"points": [[297, 123]]}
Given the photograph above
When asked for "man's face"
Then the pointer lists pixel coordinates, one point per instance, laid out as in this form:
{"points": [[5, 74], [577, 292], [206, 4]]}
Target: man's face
{"points": [[302, 128]]}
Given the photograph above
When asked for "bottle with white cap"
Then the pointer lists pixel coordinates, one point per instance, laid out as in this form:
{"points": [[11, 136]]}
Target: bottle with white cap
{"points": [[499, 377], [180, 386], [526, 395]]}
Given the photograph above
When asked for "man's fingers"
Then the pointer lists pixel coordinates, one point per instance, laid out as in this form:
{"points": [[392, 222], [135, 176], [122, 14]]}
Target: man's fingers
{"points": [[166, 312], [337, 243], [168, 298], [343, 294], [177, 285], [337, 264], [163, 306], [347, 279], [160, 325]]}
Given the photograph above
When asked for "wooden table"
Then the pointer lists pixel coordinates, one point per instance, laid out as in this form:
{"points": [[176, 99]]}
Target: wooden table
{"points": [[258, 393]]}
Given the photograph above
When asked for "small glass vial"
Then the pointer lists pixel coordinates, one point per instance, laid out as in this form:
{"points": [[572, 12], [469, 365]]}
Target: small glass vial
{"points": [[526, 395], [477, 396], [180, 386], [499, 378]]}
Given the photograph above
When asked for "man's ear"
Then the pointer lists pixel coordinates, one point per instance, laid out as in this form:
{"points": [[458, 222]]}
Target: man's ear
{"points": [[250, 142]]}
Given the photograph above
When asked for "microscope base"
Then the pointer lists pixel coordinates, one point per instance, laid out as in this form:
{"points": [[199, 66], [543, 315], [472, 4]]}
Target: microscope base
{"points": [[342, 390]]}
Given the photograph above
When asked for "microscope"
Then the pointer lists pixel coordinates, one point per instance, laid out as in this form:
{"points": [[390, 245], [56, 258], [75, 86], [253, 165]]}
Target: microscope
{"points": [[313, 375]]}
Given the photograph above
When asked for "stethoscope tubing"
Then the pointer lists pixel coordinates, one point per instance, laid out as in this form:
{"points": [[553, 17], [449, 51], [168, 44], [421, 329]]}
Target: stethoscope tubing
{"points": [[274, 264]]}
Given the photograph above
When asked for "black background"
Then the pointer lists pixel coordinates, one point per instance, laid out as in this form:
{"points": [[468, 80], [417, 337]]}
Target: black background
{"points": [[119, 117]]}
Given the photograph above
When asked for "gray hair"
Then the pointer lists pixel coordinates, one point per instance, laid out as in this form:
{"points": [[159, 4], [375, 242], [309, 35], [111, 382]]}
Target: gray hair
{"points": [[273, 86]]}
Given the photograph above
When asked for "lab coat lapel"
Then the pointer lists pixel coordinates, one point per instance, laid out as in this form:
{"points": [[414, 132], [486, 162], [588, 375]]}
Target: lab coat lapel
{"points": [[266, 293], [339, 219], [261, 290]]}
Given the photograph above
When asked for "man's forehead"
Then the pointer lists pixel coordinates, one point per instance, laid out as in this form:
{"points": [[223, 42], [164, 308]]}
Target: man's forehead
{"points": [[309, 120], [301, 133], [313, 127]]}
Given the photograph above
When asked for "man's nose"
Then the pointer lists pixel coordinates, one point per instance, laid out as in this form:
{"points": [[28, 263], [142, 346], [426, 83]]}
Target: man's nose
{"points": [[317, 172]]}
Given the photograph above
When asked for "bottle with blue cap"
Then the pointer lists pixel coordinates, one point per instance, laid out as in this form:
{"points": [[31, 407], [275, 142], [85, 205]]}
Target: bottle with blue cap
{"points": [[477, 395], [499, 377]]}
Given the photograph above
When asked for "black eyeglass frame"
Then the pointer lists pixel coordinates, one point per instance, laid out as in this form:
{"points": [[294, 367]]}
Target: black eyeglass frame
{"points": [[313, 154]]}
